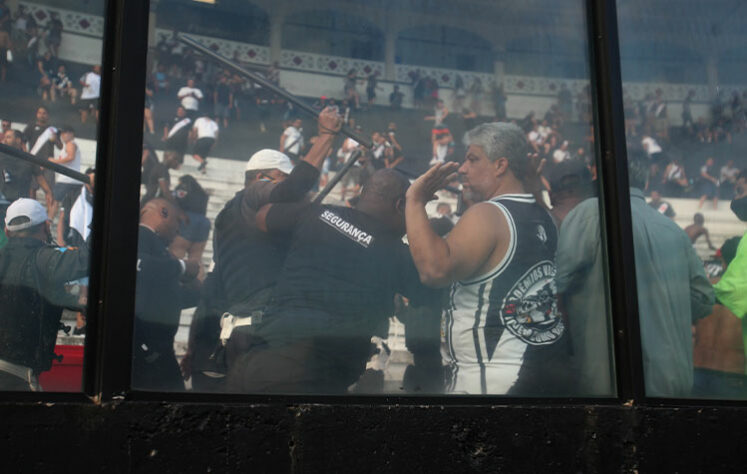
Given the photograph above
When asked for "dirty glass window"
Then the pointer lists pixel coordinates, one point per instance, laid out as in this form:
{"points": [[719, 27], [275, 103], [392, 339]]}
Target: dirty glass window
{"points": [[273, 250], [50, 79], [685, 95]]}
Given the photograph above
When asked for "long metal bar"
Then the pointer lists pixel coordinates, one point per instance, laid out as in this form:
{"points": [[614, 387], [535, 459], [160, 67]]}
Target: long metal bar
{"points": [[28, 157], [192, 43], [338, 176]]}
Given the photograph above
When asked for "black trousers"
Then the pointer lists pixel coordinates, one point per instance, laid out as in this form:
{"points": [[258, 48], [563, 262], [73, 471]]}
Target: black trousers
{"points": [[156, 369], [11, 383], [301, 367]]}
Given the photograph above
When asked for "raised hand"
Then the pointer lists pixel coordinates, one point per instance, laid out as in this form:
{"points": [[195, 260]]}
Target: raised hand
{"points": [[330, 121], [424, 188]]}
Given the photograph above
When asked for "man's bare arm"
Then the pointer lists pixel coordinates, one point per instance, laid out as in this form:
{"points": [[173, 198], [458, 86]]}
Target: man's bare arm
{"points": [[328, 127], [468, 247], [708, 239], [70, 150]]}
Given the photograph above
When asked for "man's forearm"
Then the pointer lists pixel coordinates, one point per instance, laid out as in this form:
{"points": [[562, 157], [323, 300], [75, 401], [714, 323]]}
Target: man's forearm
{"points": [[429, 251], [319, 151]]}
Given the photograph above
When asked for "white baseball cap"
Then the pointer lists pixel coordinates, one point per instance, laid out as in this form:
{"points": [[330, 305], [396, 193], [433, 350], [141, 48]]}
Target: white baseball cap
{"points": [[268, 159], [25, 207]]}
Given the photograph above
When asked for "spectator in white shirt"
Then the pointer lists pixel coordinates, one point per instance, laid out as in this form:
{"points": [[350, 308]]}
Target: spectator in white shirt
{"points": [[204, 134], [291, 141], [190, 98], [70, 158], [535, 139], [89, 94], [561, 154], [651, 147]]}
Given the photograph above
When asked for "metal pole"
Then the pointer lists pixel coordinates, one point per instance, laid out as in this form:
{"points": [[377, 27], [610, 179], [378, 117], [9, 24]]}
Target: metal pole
{"points": [[345, 130], [337, 177], [22, 155]]}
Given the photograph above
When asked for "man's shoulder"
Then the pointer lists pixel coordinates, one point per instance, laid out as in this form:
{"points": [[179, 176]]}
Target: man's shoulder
{"points": [[586, 209], [148, 241], [646, 217]]}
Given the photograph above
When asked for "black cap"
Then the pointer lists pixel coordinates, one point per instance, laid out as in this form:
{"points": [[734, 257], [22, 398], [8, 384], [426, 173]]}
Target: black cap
{"points": [[568, 174]]}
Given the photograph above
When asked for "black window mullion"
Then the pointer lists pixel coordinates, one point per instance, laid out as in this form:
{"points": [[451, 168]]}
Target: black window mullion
{"points": [[615, 196], [112, 295]]}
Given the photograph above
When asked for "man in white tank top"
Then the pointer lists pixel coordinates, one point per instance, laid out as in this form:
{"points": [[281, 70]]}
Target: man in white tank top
{"points": [[501, 329], [69, 157]]}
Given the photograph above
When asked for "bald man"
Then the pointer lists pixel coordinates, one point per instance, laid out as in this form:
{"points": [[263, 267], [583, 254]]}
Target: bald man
{"points": [[335, 292], [162, 292]]}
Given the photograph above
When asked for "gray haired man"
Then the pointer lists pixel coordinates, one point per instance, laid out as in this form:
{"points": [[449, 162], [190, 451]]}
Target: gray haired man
{"points": [[502, 329]]}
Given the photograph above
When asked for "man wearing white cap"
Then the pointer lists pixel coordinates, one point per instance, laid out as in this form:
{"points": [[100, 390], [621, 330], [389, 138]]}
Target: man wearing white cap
{"points": [[248, 261], [32, 294]]}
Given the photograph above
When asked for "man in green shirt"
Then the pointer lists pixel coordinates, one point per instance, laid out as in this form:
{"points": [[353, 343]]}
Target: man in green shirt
{"points": [[673, 292], [731, 290]]}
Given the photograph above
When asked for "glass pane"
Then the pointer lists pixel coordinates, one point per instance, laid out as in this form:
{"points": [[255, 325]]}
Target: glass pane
{"points": [[300, 297], [685, 98], [50, 76]]}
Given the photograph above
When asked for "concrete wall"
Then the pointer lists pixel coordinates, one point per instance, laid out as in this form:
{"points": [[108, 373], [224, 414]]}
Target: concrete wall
{"points": [[252, 435]]}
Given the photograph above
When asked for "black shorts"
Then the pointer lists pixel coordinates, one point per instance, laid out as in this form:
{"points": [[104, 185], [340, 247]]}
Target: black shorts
{"points": [[92, 104], [203, 146], [61, 190]]}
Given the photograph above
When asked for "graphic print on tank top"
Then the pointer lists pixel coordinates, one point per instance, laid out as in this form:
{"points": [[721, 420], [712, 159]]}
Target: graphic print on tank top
{"points": [[499, 327]]}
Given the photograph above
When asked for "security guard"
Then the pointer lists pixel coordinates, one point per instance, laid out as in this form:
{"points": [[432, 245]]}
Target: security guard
{"points": [[248, 261], [337, 286], [164, 288], [32, 294]]}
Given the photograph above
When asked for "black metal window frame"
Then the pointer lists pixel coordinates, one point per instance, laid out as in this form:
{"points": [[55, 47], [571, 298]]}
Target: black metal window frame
{"points": [[108, 349]]}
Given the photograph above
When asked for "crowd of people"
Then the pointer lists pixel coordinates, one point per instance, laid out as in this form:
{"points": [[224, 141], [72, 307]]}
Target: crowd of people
{"points": [[503, 295], [32, 48], [690, 162]]}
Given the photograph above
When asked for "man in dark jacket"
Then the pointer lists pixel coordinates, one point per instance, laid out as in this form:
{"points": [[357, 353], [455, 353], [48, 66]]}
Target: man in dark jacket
{"points": [[32, 294], [160, 297]]}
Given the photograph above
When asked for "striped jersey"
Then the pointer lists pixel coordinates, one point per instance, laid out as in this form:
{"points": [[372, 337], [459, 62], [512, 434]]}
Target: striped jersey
{"points": [[501, 330]]}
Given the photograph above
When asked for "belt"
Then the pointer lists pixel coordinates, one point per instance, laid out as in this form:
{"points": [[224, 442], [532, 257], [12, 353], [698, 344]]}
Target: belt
{"points": [[228, 322], [22, 372]]}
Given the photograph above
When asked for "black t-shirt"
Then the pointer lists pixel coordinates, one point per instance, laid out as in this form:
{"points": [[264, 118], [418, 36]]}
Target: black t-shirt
{"points": [[395, 98], [247, 260], [177, 141], [223, 93], [153, 172], [5, 18], [31, 134], [16, 178], [49, 65], [55, 28], [340, 276]]}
